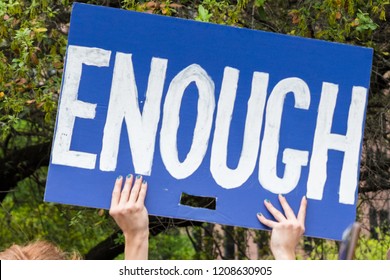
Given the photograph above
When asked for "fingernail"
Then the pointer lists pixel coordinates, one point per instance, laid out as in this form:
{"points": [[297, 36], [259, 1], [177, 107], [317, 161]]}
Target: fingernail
{"points": [[144, 181], [138, 176], [259, 214], [129, 176], [119, 177], [267, 200], [281, 195]]}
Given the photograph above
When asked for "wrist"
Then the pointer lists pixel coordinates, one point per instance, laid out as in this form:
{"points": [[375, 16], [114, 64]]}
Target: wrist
{"points": [[136, 246], [138, 236], [283, 254]]}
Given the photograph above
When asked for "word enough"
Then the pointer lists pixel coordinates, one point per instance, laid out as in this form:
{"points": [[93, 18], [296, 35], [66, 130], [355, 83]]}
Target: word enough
{"points": [[142, 128]]}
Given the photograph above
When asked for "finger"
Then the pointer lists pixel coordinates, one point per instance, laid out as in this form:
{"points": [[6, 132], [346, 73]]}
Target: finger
{"points": [[142, 193], [116, 192], [136, 188], [302, 211], [288, 212], [265, 221], [275, 212], [126, 189]]}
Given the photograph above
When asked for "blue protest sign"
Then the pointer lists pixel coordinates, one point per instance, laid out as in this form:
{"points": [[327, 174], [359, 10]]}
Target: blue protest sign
{"points": [[212, 111]]}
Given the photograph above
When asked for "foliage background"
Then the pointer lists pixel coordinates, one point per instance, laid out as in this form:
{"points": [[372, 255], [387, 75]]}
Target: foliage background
{"points": [[33, 37]]}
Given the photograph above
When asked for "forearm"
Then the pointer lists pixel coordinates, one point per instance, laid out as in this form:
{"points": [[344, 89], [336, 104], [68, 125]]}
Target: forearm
{"points": [[136, 247]]}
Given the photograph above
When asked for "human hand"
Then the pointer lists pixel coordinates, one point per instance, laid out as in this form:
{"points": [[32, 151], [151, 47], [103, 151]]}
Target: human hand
{"points": [[287, 230], [129, 212]]}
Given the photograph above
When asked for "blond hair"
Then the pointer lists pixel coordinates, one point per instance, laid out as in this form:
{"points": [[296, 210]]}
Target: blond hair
{"points": [[38, 250]]}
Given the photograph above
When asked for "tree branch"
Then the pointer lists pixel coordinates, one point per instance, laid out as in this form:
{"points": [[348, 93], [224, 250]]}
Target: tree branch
{"points": [[108, 249], [21, 163]]}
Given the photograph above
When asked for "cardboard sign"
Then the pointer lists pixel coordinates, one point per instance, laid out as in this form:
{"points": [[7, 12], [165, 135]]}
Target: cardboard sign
{"points": [[231, 114]]}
